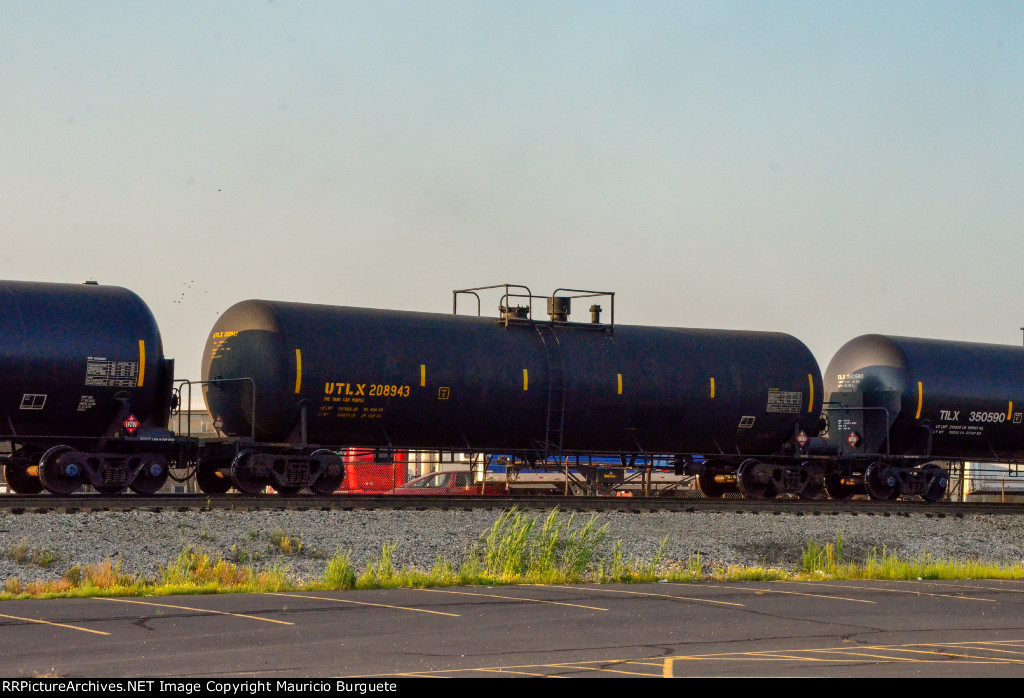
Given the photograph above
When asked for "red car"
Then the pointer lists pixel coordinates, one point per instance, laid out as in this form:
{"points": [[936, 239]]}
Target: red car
{"points": [[448, 483]]}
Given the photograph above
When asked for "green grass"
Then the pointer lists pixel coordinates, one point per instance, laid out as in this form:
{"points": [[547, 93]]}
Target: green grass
{"points": [[510, 552], [340, 573], [827, 561], [516, 549]]}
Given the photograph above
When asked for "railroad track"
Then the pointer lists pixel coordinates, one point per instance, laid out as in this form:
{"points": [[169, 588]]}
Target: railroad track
{"points": [[16, 504]]}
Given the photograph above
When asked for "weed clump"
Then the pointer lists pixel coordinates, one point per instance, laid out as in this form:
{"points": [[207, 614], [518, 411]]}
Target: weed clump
{"points": [[102, 579], [380, 572], [22, 554], [619, 570], [340, 573], [285, 543], [198, 571], [194, 566], [823, 560], [509, 552], [281, 542]]}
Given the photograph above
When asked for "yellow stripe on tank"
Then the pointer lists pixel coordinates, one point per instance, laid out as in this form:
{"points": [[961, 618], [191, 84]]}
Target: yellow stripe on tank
{"points": [[298, 371], [423, 375], [526, 380], [620, 383], [142, 363], [920, 399], [810, 402], [1009, 411], [712, 388]]}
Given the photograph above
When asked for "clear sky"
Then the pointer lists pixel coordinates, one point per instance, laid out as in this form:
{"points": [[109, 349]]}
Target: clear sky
{"points": [[825, 169]]}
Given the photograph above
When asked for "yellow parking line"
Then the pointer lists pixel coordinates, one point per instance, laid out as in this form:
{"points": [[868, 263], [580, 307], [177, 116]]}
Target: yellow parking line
{"points": [[848, 654], [773, 655], [946, 586], [801, 593], [757, 657], [440, 673], [584, 666], [907, 591], [523, 673], [514, 598], [606, 670], [940, 653], [985, 646], [590, 665], [853, 655], [364, 603], [847, 657], [789, 657], [59, 625], [200, 610], [985, 588], [869, 655], [648, 593]]}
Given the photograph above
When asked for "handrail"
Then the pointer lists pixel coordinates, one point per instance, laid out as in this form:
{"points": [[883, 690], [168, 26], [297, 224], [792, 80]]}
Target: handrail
{"points": [[586, 293], [214, 381], [504, 299], [529, 296]]}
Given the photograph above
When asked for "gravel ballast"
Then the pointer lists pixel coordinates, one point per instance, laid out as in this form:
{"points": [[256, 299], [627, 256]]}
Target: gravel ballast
{"points": [[143, 541]]}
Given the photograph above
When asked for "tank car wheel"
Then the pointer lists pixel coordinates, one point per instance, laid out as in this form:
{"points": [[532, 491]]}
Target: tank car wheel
{"points": [[325, 487], [151, 477], [708, 487], [59, 479], [938, 479], [754, 480], [836, 489], [332, 476], [879, 484], [20, 481], [242, 476], [209, 480]]}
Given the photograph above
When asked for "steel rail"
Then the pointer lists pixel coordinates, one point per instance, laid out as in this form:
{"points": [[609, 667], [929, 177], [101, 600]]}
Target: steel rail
{"points": [[45, 503]]}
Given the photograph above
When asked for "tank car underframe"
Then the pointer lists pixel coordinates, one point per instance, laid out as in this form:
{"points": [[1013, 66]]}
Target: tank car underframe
{"points": [[759, 477], [62, 465], [251, 467], [883, 477]]}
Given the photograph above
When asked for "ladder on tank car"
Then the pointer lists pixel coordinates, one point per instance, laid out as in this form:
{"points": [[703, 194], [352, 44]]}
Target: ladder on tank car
{"points": [[555, 423]]}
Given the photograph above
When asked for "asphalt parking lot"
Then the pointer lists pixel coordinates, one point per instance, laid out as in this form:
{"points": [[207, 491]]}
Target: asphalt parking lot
{"points": [[772, 629]]}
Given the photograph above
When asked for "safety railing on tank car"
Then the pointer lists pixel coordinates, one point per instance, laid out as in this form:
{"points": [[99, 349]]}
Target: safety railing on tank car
{"points": [[508, 313], [504, 304], [584, 293], [183, 382]]}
